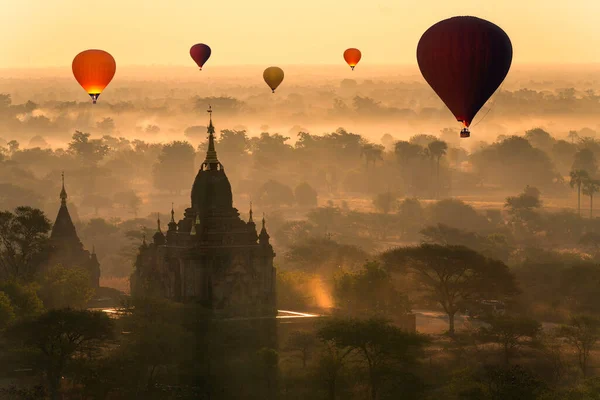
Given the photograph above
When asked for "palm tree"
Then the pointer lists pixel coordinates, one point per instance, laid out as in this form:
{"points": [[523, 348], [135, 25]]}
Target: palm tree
{"points": [[578, 177], [437, 149], [591, 186], [372, 153]]}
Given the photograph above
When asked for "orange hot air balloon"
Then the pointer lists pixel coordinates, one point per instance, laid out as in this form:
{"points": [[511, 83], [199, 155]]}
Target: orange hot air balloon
{"points": [[94, 69], [273, 76], [352, 57]]}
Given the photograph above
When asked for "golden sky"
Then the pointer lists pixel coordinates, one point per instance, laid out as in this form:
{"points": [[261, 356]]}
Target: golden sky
{"points": [[49, 33]]}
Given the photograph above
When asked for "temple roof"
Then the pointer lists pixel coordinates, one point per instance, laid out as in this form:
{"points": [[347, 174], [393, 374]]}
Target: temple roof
{"points": [[211, 189], [63, 227]]}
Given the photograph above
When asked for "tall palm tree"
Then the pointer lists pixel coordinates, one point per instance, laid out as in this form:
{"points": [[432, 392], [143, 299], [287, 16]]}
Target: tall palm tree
{"points": [[590, 187], [437, 149], [578, 176], [372, 153]]}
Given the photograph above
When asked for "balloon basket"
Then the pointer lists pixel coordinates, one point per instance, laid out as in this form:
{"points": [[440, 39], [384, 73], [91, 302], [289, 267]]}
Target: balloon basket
{"points": [[465, 133]]}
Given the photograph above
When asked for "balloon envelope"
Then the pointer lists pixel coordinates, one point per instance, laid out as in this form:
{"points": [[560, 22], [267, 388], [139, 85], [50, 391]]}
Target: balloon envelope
{"points": [[352, 57], [464, 60], [94, 69], [273, 76], [200, 54]]}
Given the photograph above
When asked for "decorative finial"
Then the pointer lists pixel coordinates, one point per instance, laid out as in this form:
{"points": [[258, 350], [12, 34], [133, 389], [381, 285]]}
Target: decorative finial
{"points": [[172, 212], [144, 238], [250, 220], [263, 221], [211, 154], [158, 220], [63, 192]]}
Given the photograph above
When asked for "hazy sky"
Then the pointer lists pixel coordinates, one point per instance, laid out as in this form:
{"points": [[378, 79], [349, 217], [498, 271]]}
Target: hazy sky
{"points": [[43, 33]]}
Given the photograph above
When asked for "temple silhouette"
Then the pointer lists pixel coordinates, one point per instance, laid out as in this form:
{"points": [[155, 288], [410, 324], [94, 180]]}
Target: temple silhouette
{"points": [[211, 256], [65, 247]]}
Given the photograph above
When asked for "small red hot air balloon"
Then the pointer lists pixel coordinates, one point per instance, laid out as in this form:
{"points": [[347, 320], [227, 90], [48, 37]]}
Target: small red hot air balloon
{"points": [[94, 69], [352, 57], [200, 54], [464, 60]]}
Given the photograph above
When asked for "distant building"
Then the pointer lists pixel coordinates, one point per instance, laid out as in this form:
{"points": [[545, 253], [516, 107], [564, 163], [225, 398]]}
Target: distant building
{"points": [[211, 256], [66, 248]]}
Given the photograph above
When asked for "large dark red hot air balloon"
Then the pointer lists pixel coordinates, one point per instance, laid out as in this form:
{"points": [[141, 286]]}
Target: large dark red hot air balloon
{"points": [[464, 60], [200, 54]]}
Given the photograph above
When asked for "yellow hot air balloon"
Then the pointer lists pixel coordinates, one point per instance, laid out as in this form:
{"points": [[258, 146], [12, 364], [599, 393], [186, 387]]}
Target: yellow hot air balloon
{"points": [[273, 76]]}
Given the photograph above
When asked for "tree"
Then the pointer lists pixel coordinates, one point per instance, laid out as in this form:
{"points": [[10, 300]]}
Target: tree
{"points": [[129, 199], [305, 195], [540, 138], [437, 149], [582, 333], [385, 202], [106, 125], [513, 382], [372, 153], [7, 313], [302, 341], [407, 154], [23, 298], [275, 193], [38, 141], [58, 336], [90, 151], [523, 208], [174, 169], [383, 347], [66, 287], [578, 177], [509, 331], [13, 147], [514, 163], [493, 245], [453, 276], [195, 133], [23, 242], [412, 216], [591, 187], [96, 202], [573, 135], [157, 337], [370, 291], [152, 129], [585, 160]]}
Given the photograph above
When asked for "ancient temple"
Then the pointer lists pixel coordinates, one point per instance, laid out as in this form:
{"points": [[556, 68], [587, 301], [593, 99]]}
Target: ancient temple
{"points": [[211, 256], [66, 248]]}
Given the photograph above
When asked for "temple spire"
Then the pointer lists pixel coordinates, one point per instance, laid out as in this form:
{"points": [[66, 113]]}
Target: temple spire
{"points": [[172, 212], [263, 237], [63, 192], [211, 153], [158, 222], [250, 220]]}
